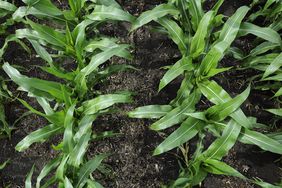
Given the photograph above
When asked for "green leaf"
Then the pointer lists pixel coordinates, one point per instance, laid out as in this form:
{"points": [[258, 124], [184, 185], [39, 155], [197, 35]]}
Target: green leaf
{"points": [[227, 36], [198, 42], [278, 93], [221, 146], [7, 6], [101, 43], [42, 52], [184, 90], [264, 142], [102, 102], [177, 115], [37, 87], [93, 184], [220, 168], [102, 13], [28, 183], [274, 66], [175, 32], [276, 136], [188, 129], [217, 95], [101, 58], [196, 12], [3, 165], [47, 169], [77, 154], [68, 142], [277, 77], [85, 125], [49, 35], [112, 3], [277, 112], [60, 172], [262, 32], [45, 6], [150, 112], [88, 168], [184, 64], [156, 13], [67, 183], [262, 48], [39, 135], [221, 111], [183, 6]]}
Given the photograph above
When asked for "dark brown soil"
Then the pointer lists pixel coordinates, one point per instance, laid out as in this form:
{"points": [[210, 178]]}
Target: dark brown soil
{"points": [[132, 163]]}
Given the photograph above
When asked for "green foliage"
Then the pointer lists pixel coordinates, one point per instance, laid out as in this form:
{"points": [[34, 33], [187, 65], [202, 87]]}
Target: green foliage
{"points": [[71, 104], [203, 40]]}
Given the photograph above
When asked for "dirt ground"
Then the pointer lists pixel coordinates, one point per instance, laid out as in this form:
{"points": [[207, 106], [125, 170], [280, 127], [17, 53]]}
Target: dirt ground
{"points": [[132, 163]]}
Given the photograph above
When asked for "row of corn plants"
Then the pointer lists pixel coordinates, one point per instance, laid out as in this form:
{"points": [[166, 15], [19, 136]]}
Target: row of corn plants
{"points": [[204, 38], [72, 104]]}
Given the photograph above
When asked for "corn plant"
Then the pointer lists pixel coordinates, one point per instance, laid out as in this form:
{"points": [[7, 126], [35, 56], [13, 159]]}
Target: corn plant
{"points": [[203, 39], [266, 57], [70, 105]]}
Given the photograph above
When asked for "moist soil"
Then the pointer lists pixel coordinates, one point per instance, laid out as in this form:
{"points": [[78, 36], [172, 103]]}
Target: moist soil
{"points": [[132, 164]]}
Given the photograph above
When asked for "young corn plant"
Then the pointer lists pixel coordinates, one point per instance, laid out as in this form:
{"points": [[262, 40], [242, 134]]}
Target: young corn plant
{"points": [[266, 56], [72, 104], [6, 21], [203, 39]]}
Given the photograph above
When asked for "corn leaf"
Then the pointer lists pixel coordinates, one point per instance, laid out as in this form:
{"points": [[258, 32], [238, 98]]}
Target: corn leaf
{"points": [[112, 3], [216, 94], [49, 35], [188, 129], [196, 12], [198, 42], [184, 90], [68, 142], [220, 168], [274, 66], [183, 6], [262, 48], [7, 6], [220, 147], [175, 32], [60, 172], [67, 183], [156, 13], [47, 169], [227, 36], [77, 154], [177, 115], [261, 140], [88, 168], [151, 111], [39, 135], [45, 6], [262, 32], [102, 13], [84, 125], [221, 111], [184, 64], [38, 87], [277, 112], [28, 183], [3, 165], [101, 58], [103, 101]]}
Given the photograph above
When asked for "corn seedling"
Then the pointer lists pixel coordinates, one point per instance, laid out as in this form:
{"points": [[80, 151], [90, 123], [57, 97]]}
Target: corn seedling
{"points": [[71, 105], [203, 39], [266, 57]]}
